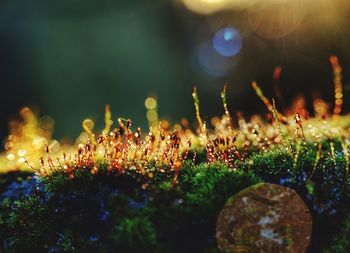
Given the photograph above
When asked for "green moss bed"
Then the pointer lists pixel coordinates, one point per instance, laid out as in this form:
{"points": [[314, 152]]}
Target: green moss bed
{"points": [[127, 212]]}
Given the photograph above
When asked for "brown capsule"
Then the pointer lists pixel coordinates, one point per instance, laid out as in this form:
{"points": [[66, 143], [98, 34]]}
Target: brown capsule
{"points": [[189, 143], [128, 124], [100, 139], [88, 146], [222, 141], [234, 138], [42, 162], [120, 122], [120, 132], [152, 138], [138, 132], [80, 151]]}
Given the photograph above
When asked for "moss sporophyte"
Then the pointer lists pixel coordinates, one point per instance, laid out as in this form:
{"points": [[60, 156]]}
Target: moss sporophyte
{"points": [[155, 189]]}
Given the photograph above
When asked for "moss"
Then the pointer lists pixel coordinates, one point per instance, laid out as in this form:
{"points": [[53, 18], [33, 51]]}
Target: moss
{"points": [[14, 176], [186, 214], [103, 212], [26, 224], [341, 243], [271, 165], [134, 235]]}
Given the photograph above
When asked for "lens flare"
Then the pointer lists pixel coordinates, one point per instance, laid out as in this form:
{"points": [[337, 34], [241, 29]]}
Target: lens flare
{"points": [[214, 64], [227, 42], [206, 7], [276, 19]]}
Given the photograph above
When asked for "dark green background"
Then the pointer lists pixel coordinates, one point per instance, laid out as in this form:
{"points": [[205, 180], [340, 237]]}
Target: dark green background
{"points": [[69, 58]]}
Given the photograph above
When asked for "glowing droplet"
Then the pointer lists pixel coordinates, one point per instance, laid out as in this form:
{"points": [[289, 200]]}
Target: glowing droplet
{"points": [[9, 145], [152, 115], [22, 160], [150, 103], [22, 152], [11, 157], [177, 127], [54, 146], [39, 142], [215, 121], [227, 42]]}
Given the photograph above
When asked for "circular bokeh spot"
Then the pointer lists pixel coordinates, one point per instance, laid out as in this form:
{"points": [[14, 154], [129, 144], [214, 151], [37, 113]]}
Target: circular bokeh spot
{"points": [[264, 218], [214, 64], [227, 42], [276, 19]]}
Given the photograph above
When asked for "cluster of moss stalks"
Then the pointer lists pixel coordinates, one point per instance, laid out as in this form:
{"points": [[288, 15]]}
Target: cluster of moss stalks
{"points": [[109, 212]]}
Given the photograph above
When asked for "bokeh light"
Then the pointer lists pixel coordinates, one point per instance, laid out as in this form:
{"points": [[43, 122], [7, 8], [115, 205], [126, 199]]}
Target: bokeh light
{"points": [[275, 19], [150, 103], [213, 63], [206, 7], [152, 115], [227, 42], [88, 125]]}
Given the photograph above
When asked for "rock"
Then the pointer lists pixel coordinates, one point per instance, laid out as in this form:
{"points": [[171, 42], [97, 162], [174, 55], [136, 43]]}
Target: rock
{"points": [[264, 218]]}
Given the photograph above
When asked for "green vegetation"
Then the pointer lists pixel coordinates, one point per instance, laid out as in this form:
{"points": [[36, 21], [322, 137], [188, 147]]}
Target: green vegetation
{"points": [[341, 243], [130, 212], [114, 212]]}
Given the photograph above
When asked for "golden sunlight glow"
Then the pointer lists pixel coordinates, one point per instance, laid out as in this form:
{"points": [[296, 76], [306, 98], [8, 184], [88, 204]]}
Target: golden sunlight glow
{"points": [[274, 19], [212, 6], [30, 145]]}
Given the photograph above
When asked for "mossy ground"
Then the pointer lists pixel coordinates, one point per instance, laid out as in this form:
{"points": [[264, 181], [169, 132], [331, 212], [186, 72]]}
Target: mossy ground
{"points": [[112, 212]]}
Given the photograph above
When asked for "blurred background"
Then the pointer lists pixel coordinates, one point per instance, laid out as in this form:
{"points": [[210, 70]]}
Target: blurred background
{"points": [[68, 58]]}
